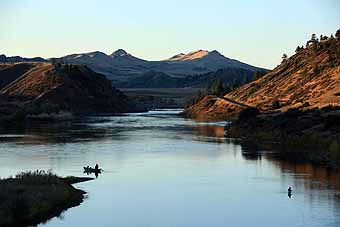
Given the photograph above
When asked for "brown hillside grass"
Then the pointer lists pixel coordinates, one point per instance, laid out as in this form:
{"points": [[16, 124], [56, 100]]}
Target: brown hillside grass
{"points": [[308, 79]]}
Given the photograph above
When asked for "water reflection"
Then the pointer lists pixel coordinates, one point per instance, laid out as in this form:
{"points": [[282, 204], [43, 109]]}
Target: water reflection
{"points": [[173, 168], [210, 131]]}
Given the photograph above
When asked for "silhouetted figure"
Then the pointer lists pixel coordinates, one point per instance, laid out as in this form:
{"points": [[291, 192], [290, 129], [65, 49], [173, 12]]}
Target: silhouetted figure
{"points": [[290, 192], [89, 170]]}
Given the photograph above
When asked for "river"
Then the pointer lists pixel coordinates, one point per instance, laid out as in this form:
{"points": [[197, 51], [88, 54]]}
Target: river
{"points": [[164, 170]]}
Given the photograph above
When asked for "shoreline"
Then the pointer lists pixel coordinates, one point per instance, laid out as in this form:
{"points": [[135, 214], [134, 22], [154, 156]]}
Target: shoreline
{"points": [[300, 136], [32, 198]]}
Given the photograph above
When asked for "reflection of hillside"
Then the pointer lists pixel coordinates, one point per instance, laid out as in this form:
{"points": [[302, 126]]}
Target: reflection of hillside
{"points": [[65, 132], [315, 177], [317, 183], [318, 177], [210, 130], [322, 183]]}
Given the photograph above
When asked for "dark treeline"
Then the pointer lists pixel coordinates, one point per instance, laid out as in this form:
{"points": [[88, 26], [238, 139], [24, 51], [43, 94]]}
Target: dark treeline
{"points": [[233, 77], [220, 87]]}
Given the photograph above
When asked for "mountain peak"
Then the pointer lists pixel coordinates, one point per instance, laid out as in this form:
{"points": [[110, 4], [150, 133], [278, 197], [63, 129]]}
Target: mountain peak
{"points": [[194, 55], [176, 57], [119, 53]]}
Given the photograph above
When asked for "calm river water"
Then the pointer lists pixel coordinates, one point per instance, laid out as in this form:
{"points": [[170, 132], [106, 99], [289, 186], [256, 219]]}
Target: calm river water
{"points": [[162, 170]]}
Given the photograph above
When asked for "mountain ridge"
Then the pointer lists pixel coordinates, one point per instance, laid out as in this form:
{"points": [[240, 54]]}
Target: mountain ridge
{"points": [[121, 66]]}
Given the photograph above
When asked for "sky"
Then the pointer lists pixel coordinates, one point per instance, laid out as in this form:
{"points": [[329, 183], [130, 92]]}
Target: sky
{"points": [[257, 32]]}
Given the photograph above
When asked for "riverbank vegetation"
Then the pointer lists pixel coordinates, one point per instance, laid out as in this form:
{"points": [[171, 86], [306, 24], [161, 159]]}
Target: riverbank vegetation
{"points": [[312, 135], [30, 198]]}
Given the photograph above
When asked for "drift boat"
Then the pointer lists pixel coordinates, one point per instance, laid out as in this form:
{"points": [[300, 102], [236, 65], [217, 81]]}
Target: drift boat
{"points": [[92, 170]]}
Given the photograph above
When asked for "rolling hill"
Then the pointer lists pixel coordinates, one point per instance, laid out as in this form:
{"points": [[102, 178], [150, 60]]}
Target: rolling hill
{"points": [[308, 79], [44, 88]]}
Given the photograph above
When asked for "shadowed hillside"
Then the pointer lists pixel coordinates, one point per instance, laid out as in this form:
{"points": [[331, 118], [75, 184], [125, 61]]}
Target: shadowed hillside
{"points": [[44, 88], [154, 79]]}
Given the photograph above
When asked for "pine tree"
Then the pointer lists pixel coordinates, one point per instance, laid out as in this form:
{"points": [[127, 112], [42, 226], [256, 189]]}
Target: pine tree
{"points": [[236, 83], [227, 88], [284, 57], [314, 38], [245, 80], [257, 75], [298, 49], [218, 88], [207, 89], [198, 96], [337, 34]]}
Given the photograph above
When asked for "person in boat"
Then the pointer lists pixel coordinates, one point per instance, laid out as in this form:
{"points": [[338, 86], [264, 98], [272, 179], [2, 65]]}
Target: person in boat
{"points": [[290, 190], [96, 167]]}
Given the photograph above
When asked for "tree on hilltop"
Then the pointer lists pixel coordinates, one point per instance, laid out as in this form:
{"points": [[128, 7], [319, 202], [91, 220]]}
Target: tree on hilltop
{"points": [[298, 49], [337, 34], [314, 38]]}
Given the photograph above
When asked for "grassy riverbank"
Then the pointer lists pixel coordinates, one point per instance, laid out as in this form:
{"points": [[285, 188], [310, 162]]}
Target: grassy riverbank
{"points": [[312, 136], [30, 198]]}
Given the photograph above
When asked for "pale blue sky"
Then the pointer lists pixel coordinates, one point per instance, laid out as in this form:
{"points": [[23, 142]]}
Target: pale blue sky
{"points": [[256, 32]]}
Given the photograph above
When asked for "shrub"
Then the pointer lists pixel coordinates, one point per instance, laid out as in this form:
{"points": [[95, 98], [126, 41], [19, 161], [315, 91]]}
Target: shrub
{"points": [[275, 104], [248, 113]]}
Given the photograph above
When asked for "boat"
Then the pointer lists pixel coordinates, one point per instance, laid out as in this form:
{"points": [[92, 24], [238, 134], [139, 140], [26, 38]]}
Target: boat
{"points": [[91, 170]]}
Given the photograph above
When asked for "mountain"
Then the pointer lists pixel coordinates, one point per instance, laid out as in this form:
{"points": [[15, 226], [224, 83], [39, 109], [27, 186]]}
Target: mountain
{"points": [[117, 67], [309, 79], [153, 79], [225, 75], [45, 88], [4, 58], [210, 60], [190, 56], [121, 66]]}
